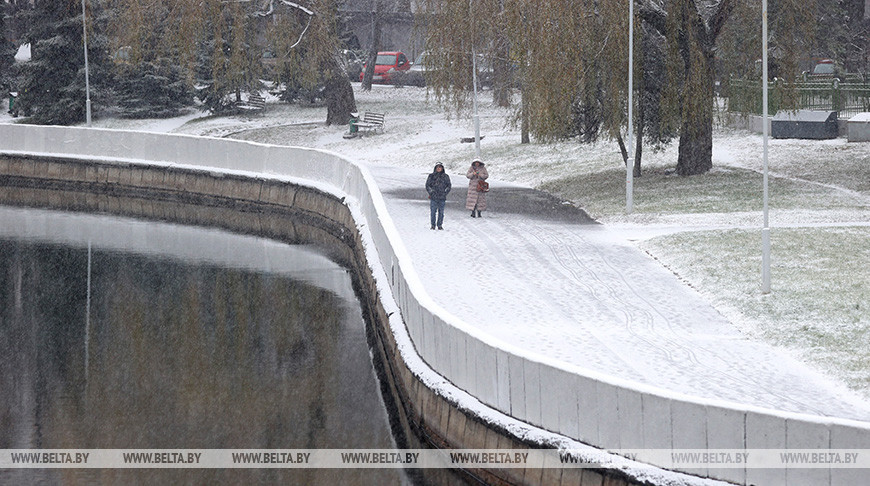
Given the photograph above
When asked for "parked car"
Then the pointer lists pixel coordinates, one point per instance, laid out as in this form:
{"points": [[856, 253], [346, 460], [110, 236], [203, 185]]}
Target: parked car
{"points": [[387, 64], [826, 70], [416, 75]]}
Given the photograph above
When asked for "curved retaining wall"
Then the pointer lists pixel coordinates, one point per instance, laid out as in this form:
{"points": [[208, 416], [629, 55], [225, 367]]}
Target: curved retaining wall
{"points": [[579, 404]]}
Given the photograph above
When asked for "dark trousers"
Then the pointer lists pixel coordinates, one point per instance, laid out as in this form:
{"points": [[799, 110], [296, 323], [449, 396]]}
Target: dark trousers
{"points": [[436, 206]]}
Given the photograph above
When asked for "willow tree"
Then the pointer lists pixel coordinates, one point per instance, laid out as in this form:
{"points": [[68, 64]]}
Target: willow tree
{"points": [[691, 28], [461, 35], [308, 50], [567, 56]]}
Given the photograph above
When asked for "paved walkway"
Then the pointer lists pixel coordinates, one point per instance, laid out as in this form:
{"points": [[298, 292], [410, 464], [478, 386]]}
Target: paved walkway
{"points": [[539, 274]]}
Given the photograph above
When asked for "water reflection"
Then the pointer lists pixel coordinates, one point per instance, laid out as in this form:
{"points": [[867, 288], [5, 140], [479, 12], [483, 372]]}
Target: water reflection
{"points": [[182, 354]]}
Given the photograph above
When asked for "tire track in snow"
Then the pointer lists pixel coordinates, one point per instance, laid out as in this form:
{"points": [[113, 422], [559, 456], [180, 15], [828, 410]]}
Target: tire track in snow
{"points": [[496, 249], [609, 293], [647, 317]]}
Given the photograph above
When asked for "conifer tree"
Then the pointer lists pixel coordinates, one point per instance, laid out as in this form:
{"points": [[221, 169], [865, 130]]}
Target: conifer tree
{"points": [[7, 54], [53, 85], [153, 77]]}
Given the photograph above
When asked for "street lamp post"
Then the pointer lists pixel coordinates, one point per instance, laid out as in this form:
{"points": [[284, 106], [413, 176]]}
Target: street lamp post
{"points": [[474, 103], [629, 163], [87, 78], [765, 231], [476, 114]]}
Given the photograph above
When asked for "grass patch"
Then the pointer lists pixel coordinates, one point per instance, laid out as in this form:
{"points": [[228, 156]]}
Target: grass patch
{"points": [[722, 190], [832, 332]]}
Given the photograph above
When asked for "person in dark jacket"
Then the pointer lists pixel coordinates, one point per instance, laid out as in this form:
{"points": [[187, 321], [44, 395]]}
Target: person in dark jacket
{"points": [[437, 185]]}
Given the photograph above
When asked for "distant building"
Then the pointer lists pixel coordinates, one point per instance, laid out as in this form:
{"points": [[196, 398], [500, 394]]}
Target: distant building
{"points": [[398, 29]]}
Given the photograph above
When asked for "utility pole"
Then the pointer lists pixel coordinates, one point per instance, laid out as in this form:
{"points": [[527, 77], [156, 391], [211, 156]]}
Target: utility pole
{"points": [[765, 231], [87, 77], [476, 114], [629, 163]]}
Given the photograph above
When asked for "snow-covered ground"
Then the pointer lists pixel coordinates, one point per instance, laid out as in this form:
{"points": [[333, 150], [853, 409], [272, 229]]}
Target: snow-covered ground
{"points": [[543, 279]]}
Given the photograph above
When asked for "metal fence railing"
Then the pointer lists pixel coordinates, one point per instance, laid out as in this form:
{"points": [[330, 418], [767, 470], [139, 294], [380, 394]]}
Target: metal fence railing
{"points": [[847, 98]]}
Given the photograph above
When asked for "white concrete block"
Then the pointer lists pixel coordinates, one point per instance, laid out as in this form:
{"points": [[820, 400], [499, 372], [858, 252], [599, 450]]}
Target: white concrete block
{"points": [[517, 386], [504, 382], [12, 137], [472, 347], [273, 160], [427, 350], [689, 430], [487, 374], [532, 378], [408, 315], [188, 151], [726, 430], [587, 408], [807, 435], [36, 139], [608, 416], [765, 432], [657, 435], [630, 410], [559, 395], [656, 422], [442, 346], [80, 142], [158, 148], [451, 370], [859, 128], [854, 440], [459, 358]]}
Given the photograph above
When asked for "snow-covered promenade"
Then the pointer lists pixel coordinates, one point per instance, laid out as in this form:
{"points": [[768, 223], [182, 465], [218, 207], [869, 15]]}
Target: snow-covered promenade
{"points": [[548, 281], [538, 313]]}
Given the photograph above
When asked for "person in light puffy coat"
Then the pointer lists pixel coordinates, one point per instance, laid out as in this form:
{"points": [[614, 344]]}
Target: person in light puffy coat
{"points": [[476, 200]]}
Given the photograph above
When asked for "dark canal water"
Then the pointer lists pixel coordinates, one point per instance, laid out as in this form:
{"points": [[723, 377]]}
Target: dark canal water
{"points": [[197, 339]]}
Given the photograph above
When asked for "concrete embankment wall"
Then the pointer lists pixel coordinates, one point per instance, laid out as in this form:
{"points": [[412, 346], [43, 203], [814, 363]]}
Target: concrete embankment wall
{"points": [[424, 342]]}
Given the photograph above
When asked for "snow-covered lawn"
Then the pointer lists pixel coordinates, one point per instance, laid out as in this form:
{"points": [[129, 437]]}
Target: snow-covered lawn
{"points": [[706, 229]]}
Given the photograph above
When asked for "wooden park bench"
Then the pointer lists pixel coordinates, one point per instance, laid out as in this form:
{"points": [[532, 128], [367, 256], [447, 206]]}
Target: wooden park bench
{"points": [[255, 102], [371, 122]]}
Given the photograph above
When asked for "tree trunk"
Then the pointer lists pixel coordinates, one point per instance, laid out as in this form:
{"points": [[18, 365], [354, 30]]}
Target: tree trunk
{"points": [[340, 102], [524, 123], [641, 125], [373, 50], [695, 154], [622, 150], [502, 75], [696, 131]]}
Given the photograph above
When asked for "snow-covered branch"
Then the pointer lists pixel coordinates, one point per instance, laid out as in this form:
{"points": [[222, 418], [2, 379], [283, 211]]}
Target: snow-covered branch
{"points": [[271, 9], [290, 4]]}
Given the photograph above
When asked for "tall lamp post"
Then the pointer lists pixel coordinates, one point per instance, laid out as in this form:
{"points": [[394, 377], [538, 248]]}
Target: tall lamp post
{"points": [[765, 231], [629, 163], [476, 114], [87, 78]]}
